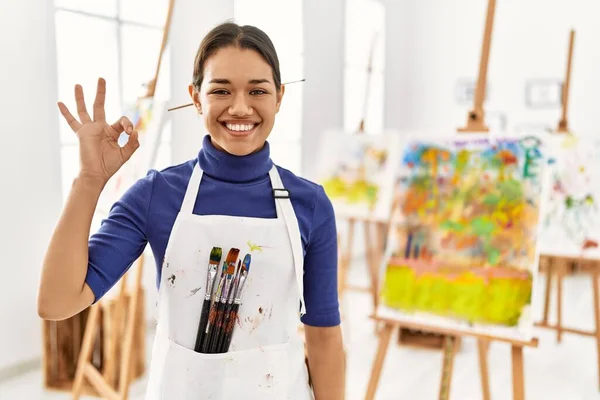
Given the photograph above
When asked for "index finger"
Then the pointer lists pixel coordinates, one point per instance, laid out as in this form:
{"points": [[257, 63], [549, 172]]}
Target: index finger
{"points": [[122, 125], [73, 123], [99, 114]]}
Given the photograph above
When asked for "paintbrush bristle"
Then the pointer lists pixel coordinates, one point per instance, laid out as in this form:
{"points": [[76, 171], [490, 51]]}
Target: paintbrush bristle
{"points": [[247, 260], [231, 256], [215, 255], [231, 268]]}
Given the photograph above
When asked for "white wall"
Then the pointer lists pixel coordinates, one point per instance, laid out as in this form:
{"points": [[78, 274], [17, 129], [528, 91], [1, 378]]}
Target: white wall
{"points": [[192, 19], [30, 165], [436, 42], [323, 101]]}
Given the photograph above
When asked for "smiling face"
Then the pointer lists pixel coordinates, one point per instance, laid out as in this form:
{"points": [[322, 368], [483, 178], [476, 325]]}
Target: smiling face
{"points": [[238, 100]]}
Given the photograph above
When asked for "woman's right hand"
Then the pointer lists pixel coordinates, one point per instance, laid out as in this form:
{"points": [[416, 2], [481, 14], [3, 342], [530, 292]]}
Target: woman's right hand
{"points": [[100, 155]]}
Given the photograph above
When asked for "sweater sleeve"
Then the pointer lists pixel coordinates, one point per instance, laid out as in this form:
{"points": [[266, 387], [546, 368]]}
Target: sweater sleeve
{"points": [[320, 267], [121, 238]]}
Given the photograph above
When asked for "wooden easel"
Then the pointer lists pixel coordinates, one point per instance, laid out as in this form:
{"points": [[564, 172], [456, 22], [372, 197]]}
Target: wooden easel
{"points": [[125, 327], [476, 117], [563, 123], [555, 264], [373, 253], [561, 266], [475, 123], [448, 358], [106, 384], [373, 248]]}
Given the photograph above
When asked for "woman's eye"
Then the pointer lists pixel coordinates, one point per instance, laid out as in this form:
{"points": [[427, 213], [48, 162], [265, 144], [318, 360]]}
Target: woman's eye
{"points": [[258, 91], [220, 92]]}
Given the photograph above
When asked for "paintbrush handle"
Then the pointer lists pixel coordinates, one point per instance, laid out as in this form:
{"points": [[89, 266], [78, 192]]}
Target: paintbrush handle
{"points": [[202, 325], [226, 320], [218, 328], [229, 328], [212, 317]]}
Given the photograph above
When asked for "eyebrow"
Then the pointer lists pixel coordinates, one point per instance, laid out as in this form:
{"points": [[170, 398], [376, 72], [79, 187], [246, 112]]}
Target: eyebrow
{"points": [[228, 82]]}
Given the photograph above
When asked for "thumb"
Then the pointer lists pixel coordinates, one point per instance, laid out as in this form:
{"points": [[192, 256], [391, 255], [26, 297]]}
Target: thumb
{"points": [[131, 146]]}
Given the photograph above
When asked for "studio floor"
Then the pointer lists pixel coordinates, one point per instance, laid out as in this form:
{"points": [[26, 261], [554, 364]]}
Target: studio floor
{"points": [[565, 371]]}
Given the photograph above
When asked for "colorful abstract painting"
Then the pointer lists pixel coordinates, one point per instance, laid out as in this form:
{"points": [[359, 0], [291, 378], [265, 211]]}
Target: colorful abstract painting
{"points": [[462, 246], [357, 172], [571, 220]]}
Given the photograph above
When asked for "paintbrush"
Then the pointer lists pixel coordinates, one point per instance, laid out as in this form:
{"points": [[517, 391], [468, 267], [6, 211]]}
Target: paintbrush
{"points": [[231, 258], [236, 303], [215, 258], [228, 307], [214, 340]]}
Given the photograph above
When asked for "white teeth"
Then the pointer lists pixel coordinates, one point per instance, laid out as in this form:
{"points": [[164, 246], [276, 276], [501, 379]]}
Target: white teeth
{"points": [[239, 128]]}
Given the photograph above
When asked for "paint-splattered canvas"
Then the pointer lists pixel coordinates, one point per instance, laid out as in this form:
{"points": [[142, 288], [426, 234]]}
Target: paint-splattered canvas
{"points": [[571, 220], [462, 248], [357, 172]]}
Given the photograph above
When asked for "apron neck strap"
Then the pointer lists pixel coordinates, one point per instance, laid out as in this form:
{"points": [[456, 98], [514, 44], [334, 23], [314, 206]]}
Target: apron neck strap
{"points": [[187, 207], [285, 210]]}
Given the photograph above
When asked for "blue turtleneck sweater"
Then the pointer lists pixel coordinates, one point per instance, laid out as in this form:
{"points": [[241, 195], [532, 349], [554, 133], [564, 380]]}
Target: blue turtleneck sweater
{"points": [[231, 185]]}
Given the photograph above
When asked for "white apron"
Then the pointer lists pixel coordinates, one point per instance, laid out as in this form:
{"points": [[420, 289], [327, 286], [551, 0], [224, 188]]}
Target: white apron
{"points": [[266, 357]]}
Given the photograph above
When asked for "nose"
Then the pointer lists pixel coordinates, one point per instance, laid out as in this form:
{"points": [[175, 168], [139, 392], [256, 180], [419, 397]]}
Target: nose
{"points": [[240, 106]]}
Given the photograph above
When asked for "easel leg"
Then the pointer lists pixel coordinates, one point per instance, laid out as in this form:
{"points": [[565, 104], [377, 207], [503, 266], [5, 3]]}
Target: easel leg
{"points": [[374, 256], [447, 364], [384, 341], [559, 276], [548, 290], [596, 314], [372, 264], [130, 328], [482, 347], [370, 257], [109, 358], [517, 370], [86, 350], [380, 239], [379, 251], [345, 259]]}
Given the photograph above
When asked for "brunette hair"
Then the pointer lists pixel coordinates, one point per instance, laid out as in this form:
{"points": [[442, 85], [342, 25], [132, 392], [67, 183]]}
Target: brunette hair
{"points": [[244, 37]]}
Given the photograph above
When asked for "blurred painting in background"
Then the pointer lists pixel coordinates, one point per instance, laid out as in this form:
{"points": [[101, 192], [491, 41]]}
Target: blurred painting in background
{"points": [[571, 220], [358, 171], [462, 250]]}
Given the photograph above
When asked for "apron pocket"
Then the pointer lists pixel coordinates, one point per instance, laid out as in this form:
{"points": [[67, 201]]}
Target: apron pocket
{"points": [[259, 373]]}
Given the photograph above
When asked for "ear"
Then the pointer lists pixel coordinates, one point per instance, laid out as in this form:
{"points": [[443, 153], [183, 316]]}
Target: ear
{"points": [[279, 98], [195, 98]]}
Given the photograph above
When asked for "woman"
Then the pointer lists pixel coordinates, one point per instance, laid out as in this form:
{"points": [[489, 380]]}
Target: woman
{"points": [[230, 196]]}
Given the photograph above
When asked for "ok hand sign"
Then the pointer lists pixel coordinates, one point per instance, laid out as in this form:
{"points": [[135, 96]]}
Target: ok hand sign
{"points": [[99, 152]]}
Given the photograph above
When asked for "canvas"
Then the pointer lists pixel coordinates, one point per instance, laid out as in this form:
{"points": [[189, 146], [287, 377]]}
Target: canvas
{"points": [[571, 220], [462, 248], [357, 172]]}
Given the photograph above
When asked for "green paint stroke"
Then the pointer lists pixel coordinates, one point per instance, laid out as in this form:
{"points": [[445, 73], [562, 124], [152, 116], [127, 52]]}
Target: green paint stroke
{"points": [[483, 226], [452, 226]]}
